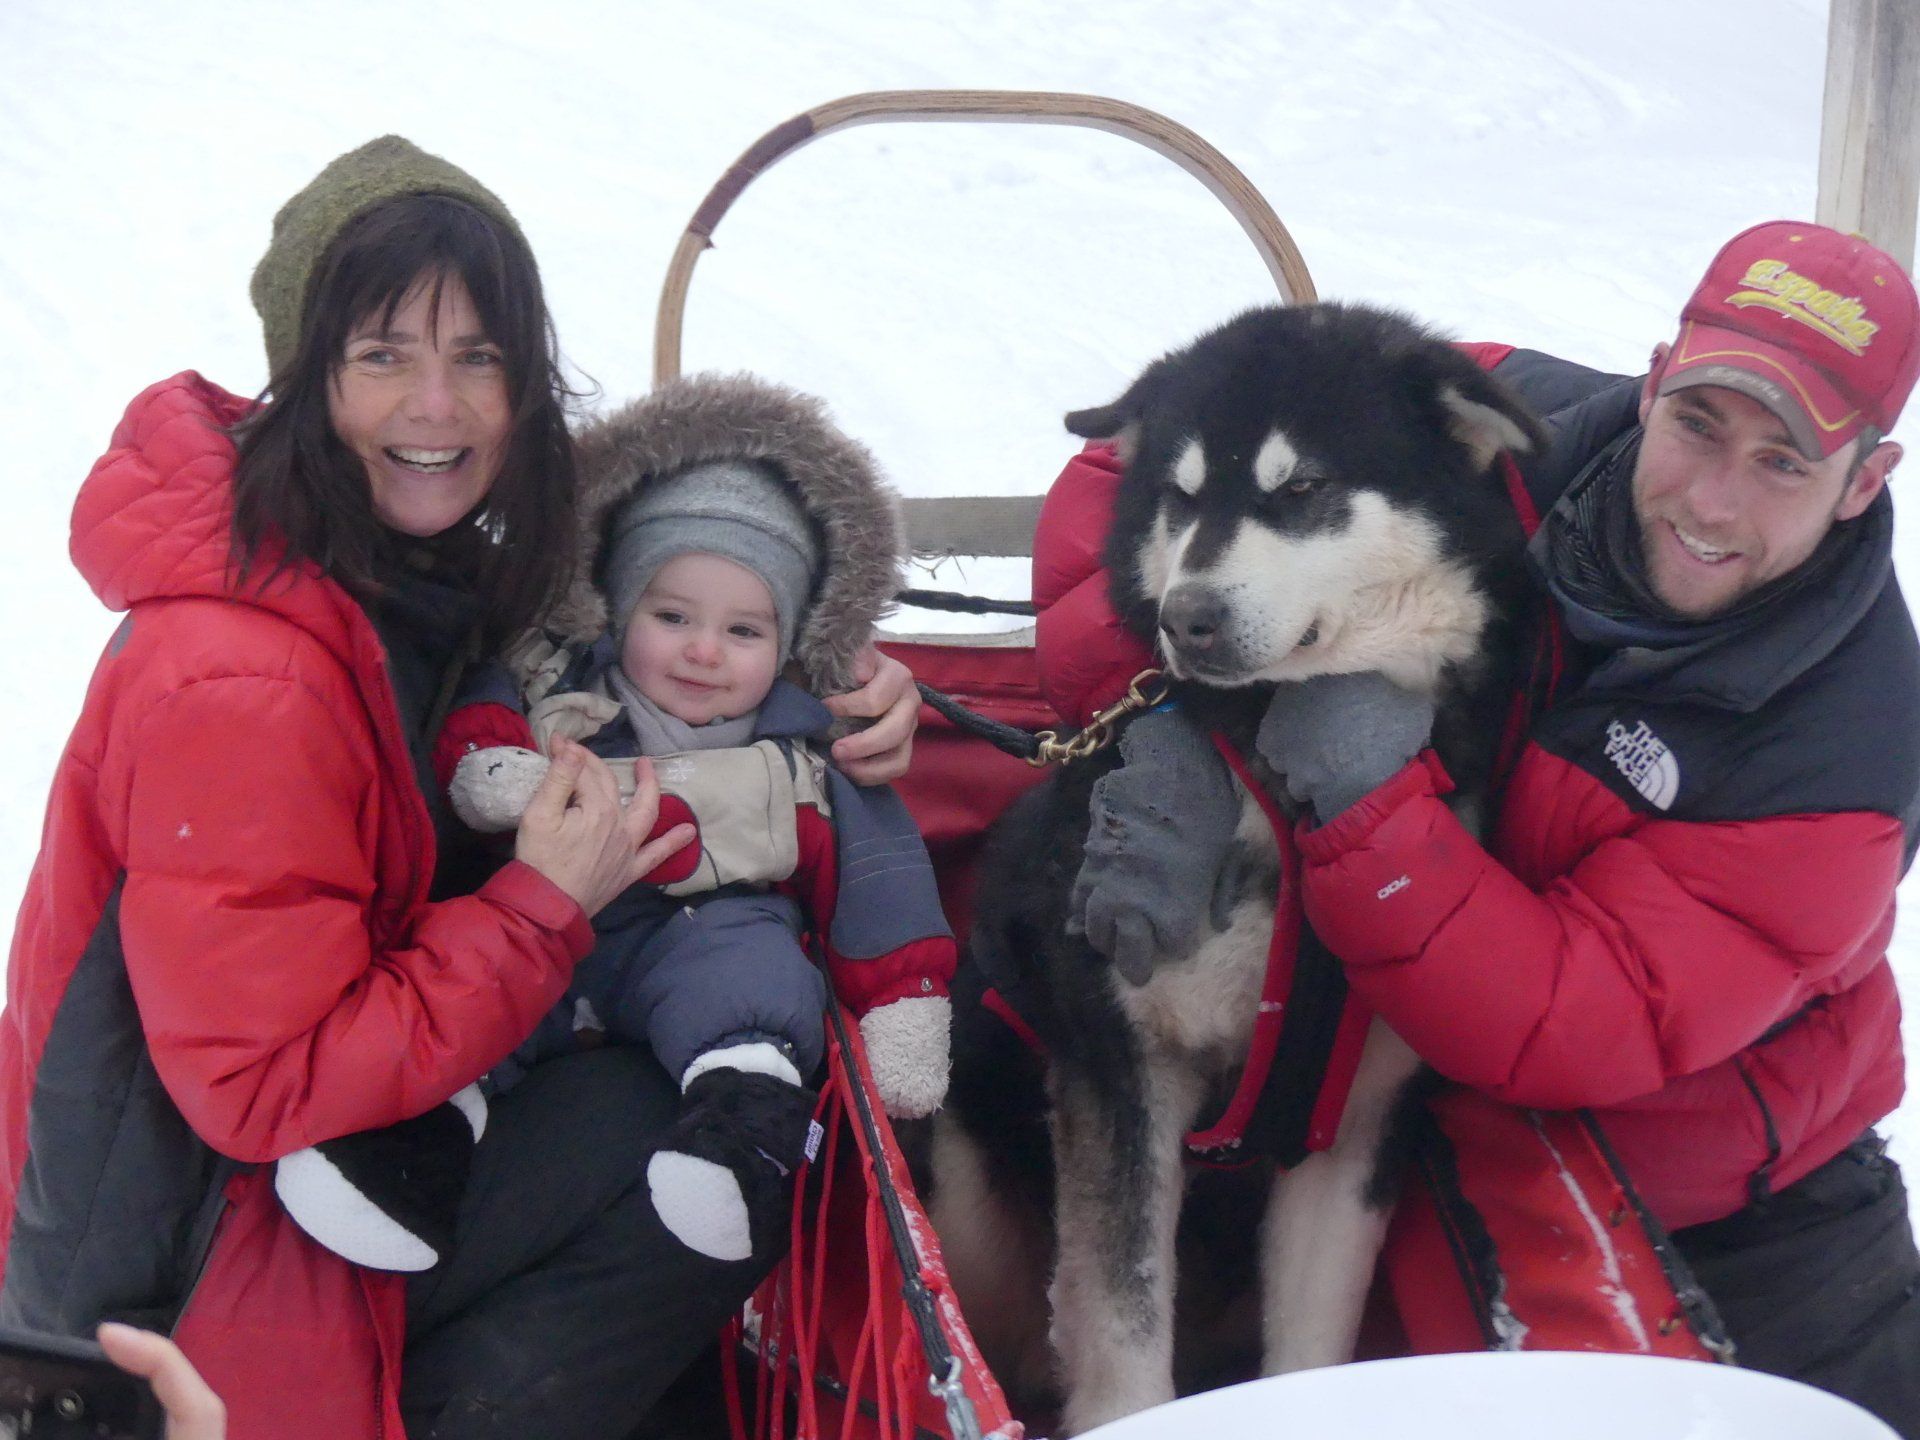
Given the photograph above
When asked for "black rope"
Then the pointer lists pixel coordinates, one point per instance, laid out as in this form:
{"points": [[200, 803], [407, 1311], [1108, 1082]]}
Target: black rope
{"points": [[1009, 739], [963, 604]]}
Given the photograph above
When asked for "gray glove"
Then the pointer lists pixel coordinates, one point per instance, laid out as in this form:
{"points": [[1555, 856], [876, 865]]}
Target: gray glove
{"points": [[1161, 833], [1335, 737]]}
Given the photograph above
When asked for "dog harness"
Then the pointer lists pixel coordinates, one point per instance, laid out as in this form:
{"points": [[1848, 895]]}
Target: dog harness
{"points": [[1307, 1033]]}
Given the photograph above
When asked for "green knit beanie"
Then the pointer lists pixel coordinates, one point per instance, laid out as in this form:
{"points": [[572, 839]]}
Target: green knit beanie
{"points": [[307, 224]]}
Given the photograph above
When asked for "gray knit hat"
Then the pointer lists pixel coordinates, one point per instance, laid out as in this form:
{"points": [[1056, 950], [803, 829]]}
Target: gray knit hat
{"points": [[352, 184], [735, 509]]}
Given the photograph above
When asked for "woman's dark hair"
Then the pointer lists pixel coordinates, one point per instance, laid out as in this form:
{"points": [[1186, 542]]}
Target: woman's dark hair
{"points": [[296, 482]]}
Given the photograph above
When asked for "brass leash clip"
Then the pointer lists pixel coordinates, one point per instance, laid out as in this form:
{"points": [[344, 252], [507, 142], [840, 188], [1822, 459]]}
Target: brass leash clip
{"points": [[1144, 691]]}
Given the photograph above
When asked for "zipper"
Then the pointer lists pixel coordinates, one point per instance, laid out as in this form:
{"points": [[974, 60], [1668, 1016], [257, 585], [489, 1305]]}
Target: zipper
{"points": [[205, 1231], [1760, 1183]]}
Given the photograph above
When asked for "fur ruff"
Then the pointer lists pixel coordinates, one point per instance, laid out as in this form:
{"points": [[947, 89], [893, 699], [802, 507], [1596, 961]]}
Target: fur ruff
{"points": [[705, 418]]}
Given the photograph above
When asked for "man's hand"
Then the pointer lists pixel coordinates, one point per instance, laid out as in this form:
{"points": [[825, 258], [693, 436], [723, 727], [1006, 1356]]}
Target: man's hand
{"points": [[1335, 737], [887, 696], [1162, 828]]}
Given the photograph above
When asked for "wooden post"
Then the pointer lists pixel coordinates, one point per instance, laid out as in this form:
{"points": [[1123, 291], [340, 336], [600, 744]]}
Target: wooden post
{"points": [[1870, 123]]}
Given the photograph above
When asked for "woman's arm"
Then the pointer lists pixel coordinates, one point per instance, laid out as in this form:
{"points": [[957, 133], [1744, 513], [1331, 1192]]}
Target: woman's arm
{"points": [[879, 754], [249, 914]]}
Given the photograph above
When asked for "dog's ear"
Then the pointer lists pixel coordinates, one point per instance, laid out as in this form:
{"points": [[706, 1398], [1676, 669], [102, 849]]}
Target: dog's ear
{"points": [[1489, 418], [1478, 410], [1118, 423]]}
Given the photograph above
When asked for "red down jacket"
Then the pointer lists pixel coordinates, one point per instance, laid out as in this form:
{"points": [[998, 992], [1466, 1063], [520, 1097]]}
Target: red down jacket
{"points": [[226, 950], [1701, 964]]}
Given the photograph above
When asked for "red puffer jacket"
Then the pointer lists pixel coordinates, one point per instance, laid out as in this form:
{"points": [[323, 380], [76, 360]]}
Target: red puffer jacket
{"points": [[226, 950], [1696, 956]]}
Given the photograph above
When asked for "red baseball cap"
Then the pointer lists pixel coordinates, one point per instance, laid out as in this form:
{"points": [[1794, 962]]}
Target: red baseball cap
{"points": [[1821, 328]]}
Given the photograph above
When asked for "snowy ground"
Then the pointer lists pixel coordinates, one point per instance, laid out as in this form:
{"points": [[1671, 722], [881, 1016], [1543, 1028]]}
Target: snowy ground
{"points": [[1553, 175]]}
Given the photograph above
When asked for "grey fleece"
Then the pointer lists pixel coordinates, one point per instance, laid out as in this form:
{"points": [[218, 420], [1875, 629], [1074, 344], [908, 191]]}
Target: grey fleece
{"points": [[1336, 737]]}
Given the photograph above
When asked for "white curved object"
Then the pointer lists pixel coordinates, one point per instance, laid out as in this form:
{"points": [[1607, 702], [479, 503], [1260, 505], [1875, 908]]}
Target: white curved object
{"points": [[1509, 1396]]}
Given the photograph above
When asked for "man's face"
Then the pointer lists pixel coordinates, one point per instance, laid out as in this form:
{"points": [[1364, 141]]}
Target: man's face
{"points": [[1724, 500]]}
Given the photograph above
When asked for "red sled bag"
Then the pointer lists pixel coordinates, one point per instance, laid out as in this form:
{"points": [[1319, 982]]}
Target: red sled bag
{"points": [[1517, 1230], [959, 784], [857, 1333]]}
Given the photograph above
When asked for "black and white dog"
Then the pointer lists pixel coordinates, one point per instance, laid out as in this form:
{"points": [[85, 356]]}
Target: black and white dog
{"points": [[1307, 491]]}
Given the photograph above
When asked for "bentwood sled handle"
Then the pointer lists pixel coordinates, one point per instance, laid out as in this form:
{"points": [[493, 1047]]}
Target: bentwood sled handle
{"points": [[1012, 107]]}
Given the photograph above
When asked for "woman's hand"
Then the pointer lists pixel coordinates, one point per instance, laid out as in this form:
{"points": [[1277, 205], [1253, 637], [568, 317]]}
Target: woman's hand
{"points": [[576, 834], [888, 697], [194, 1412]]}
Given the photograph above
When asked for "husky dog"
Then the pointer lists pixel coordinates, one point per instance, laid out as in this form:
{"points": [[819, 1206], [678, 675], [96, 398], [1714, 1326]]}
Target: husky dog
{"points": [[1307, 491]]}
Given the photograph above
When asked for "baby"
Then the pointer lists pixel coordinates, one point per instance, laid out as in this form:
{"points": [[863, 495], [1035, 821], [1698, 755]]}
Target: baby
{"points": [[709, 575]]}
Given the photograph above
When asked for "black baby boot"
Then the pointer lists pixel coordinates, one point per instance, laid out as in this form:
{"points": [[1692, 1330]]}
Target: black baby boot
{"points": [[718, 1178], [387, 1199]]}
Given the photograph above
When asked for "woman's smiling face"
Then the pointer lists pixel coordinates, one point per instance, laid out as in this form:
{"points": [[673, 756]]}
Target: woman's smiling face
{"points": [[421, 399]]}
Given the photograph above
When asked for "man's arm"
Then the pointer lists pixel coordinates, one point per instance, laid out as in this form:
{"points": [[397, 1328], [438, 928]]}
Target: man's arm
{"points": [[1663, 951]]}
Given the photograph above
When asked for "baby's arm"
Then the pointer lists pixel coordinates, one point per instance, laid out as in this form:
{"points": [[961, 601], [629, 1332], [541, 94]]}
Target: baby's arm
{"points": [[485, 758]]}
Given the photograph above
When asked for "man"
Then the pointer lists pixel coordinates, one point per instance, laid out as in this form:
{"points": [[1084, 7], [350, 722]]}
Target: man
{"points": [[1679, 920]]}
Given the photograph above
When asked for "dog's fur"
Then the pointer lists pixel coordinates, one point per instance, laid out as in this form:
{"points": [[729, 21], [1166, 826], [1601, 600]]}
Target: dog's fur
{"points": [[1307, 491]]}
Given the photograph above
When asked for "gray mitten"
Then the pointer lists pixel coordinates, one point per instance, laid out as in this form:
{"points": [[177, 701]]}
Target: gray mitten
{"points": [[1335, 737], [1162, 828]]}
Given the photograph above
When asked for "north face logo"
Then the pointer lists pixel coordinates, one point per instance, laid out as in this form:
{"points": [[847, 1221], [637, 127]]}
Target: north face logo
{"points": [[1643, 757]]}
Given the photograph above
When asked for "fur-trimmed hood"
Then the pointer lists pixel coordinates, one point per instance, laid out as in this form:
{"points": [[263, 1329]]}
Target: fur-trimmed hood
{"points": [[704, 418]]}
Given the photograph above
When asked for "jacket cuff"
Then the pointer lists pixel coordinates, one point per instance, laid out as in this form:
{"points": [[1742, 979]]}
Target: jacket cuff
{"points": [[477, 727], [909, 987], [918, 970], [1422, 775], [519, 886]]}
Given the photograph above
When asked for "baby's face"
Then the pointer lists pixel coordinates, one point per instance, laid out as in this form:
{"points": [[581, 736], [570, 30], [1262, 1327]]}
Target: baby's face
{"points": [[703, 643]]}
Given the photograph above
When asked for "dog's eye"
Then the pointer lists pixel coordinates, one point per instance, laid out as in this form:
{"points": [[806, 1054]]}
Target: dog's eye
{"points": [[1301, 485]]}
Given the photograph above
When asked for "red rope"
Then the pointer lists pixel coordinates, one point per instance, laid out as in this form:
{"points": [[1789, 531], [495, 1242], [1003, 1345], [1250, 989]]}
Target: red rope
{"points": [[803, 1328], [907, 1368], [876, 1257], [856, 1372]]}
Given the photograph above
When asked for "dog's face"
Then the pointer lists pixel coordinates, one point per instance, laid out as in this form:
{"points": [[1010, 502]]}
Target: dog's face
{"points": [[1310, 491]]}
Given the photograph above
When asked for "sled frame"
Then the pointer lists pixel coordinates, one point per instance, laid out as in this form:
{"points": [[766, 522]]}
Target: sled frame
{"points": [[968, 524]]}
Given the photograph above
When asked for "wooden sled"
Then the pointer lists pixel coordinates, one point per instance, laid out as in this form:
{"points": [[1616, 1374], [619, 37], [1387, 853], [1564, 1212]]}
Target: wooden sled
{"points": [[858, 1334]]}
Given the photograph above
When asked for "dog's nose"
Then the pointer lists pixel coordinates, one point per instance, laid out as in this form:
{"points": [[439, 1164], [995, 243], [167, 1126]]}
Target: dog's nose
{"points": [[1191, 616]]}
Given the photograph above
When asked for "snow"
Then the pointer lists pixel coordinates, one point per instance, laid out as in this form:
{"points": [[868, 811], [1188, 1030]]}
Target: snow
{"points": [[1616, 1288], [1555, 176]]}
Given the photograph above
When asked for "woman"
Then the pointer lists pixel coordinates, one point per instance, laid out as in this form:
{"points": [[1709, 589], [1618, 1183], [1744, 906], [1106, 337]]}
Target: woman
{"points": [[228, 951]]}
